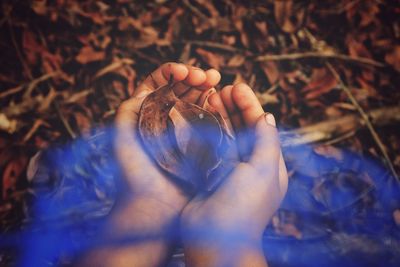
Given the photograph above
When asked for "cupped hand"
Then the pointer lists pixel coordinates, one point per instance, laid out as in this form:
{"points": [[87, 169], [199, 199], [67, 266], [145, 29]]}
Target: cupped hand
{"points": [[243, 204], [141, 176]]}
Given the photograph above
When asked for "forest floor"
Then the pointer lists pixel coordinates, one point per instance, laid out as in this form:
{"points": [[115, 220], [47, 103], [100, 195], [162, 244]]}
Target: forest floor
{"points": [[328, 70]]}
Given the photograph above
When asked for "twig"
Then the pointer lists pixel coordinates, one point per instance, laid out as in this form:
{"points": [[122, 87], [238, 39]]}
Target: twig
{"points": [[340, 9], [19, 54], [366, 119], [30, 86], [216, 45], [196, 11], [331, 129], [65, 122], [295, 56], [151, 59], [340, 138], [185, 55]]}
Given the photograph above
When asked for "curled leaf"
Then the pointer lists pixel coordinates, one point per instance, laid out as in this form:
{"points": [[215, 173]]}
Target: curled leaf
{"points": [[185, 140]]}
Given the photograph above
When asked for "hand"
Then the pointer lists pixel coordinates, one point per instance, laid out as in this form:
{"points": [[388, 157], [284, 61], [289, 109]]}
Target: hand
{"points": [[141, 175], [140, 228], [226, 227]]}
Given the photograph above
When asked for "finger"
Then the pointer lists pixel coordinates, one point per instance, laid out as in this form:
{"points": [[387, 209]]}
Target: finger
{"points": [[193, 93], [195, 78], [233, 112], [215, 102], [161, 77], [247, 103], [266, 152], [204, 97], [265, 160], [213, 77], [251, 110], [127, 145]]}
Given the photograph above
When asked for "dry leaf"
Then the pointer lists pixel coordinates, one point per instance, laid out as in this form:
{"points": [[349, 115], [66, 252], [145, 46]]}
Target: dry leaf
{"points": [[236, 61], [271, 71], [184, 139], [322, 82], [12, 171], [88, 54], [393, 58], [214, 60], [6, 124], [287, 16]]}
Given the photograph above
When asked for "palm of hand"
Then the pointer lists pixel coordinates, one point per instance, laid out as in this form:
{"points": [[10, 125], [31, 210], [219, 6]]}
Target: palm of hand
{"points": [[253, 191], [142, 176]]}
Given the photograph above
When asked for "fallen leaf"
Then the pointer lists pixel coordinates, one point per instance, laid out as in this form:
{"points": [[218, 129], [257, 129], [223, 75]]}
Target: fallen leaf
{"points": [[6, 124], [322, 82], [236, 61], [288, 16], [270, 70], [11, 173], [88, 54], [115, 65], [212, 59], [393, 58]]}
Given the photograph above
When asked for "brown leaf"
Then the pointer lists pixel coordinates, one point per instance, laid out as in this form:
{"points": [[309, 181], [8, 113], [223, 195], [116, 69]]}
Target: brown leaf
{"points": [[6, 124], [115, 65], [357, 48], [88, 54], [271, 71], [214, 60], [11, 173], [322, 82], [39, 7], [83, 121], [393, 58], [183, 138], [243, 34], [287, 16], [236, 61]]}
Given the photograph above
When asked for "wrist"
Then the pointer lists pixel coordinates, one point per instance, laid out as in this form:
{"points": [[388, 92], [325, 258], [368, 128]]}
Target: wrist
{"points": [[225, 252], [142, 217]]}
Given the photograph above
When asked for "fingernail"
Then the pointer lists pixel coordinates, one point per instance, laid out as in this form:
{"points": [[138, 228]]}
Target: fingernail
{"points": [[269, 118]]}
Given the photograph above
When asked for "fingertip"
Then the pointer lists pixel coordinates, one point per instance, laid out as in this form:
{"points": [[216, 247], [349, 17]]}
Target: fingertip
{"points": [[270, 119], [195, 77], [243, 95], [266, 147], [178, 70], [247, 102], [226, 93], [212, 78], [215, 101], [226, 97], [266, 131]]}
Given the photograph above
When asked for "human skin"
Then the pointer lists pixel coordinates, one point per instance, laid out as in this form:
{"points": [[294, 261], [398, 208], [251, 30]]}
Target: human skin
{"points": [[225, 228], [151, 205]]}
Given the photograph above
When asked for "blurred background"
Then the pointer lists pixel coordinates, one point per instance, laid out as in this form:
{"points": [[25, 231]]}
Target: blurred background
{"points": [[328, 70]]}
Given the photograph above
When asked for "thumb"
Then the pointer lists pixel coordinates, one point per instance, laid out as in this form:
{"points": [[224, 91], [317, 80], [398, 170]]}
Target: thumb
{"points": [[128, 112], [267, 155], [266, 152]]}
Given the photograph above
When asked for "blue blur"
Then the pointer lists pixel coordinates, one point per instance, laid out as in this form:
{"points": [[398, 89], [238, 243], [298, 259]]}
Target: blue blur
{"points": [[350, 223]]}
